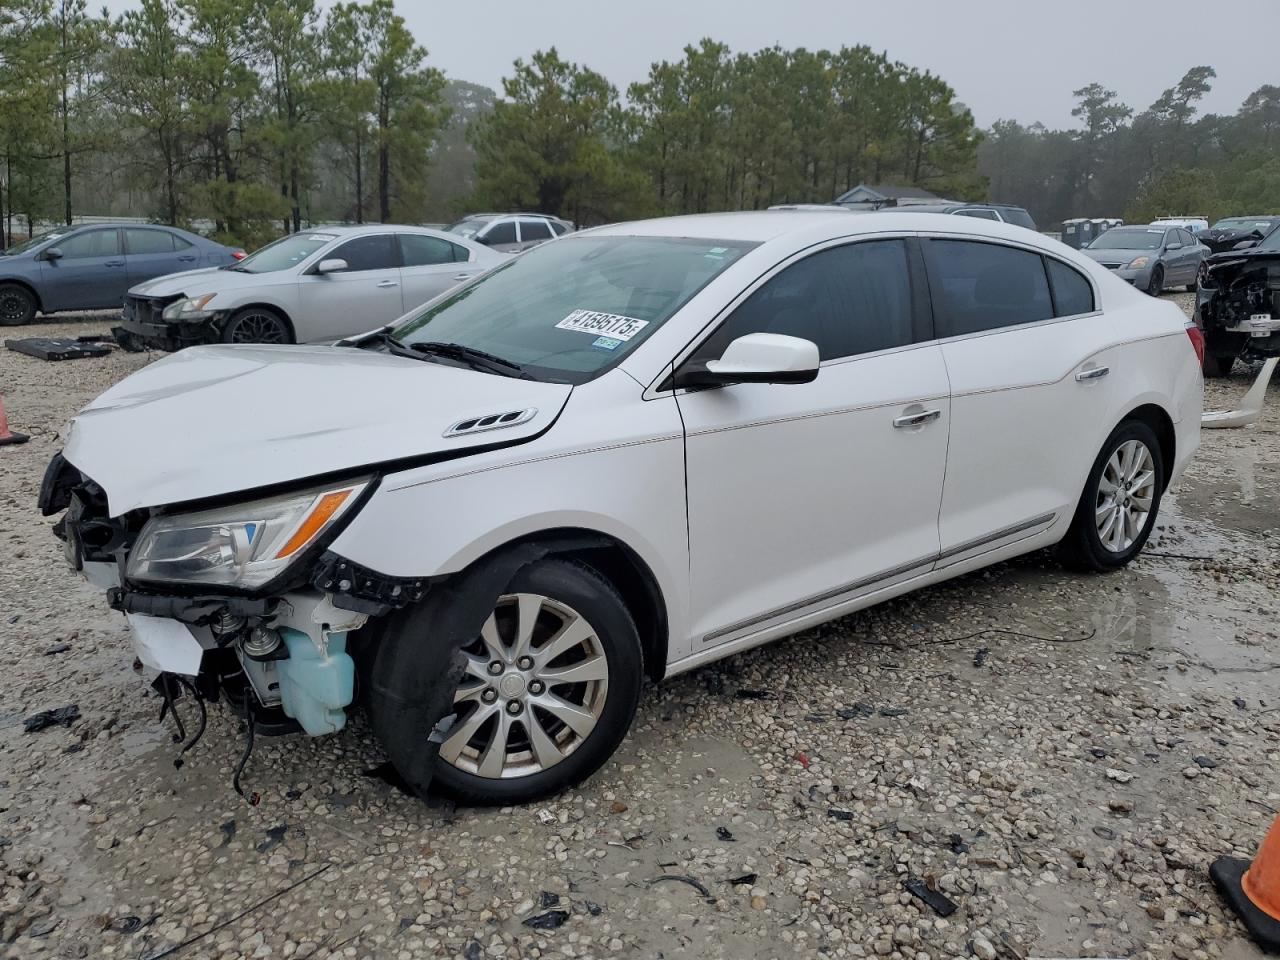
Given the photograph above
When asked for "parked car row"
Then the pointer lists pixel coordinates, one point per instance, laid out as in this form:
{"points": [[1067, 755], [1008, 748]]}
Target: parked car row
{"points": [[630, 452]]}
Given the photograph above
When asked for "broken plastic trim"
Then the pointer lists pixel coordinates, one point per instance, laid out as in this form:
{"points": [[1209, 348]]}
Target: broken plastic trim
{"points": [[362, 590], [196, 610]]}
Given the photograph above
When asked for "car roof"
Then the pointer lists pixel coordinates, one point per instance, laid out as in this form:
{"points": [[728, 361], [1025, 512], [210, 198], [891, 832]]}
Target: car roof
{"points": [[763, 226], [356, 229]]}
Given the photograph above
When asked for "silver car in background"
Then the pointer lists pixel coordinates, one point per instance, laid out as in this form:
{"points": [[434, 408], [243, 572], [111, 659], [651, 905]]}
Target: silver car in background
{"points": [[510, 232], [1152, 258], [314, 286]]}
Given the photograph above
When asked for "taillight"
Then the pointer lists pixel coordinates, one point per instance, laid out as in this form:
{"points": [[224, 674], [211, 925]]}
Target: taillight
{"points": [[238, 254], [1196, 337]]}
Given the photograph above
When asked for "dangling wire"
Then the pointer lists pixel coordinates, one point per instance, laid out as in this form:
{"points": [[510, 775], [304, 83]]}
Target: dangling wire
{"points": [[248, 745], [168, 707], [200, 727]]}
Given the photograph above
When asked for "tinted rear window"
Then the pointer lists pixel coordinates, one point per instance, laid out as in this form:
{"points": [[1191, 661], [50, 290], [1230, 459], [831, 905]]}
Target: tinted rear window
{"points": [[1072, 293], [985, 286]]}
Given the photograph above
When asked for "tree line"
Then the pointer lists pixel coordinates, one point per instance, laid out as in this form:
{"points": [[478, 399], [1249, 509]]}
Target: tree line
{"points": [[1168, 159], [254, 117]]}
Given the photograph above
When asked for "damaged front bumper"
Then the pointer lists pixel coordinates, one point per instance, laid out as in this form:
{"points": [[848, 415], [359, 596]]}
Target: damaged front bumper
{"points": [[281, 653], [142, 325]]}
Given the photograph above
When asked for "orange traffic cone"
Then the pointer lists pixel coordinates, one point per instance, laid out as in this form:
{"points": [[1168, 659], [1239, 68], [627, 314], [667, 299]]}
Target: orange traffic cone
{"points": [[1253, 889], [6, 436]]}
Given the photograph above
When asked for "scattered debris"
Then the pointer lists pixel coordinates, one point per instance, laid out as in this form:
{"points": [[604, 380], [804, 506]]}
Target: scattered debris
{"points": [[804, 761], [62, 716], [1106, 833], [746, 880], [722, 833], [546, 817], [550, 920], [57, 648], [844, 815], [857, 710], [1240, 704], [1205, 762], [938, 902], [957, 843], [744, 694], [681, 878], [547, 899], [980, 657], [49, 348], [894, 711], [593, 908]]}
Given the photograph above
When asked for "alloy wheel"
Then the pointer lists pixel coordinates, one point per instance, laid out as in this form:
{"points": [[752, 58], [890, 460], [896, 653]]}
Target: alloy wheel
{"points": [[532, 692], [1126, 492], [258, 328]]}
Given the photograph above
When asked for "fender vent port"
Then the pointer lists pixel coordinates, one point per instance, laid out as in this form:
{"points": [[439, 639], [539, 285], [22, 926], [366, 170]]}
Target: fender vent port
{"points": [[492, 421]]}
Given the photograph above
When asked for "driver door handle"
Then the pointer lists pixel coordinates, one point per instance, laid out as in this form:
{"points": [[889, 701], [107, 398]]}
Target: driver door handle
{"points": [[388, 283], [916, 419], [1093, 373], [463, 276]]}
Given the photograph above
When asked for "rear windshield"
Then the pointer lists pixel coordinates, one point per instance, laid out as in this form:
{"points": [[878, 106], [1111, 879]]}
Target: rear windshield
{"points": [[284, 253], [1018, 217], [566, 311], [1121, 239]]}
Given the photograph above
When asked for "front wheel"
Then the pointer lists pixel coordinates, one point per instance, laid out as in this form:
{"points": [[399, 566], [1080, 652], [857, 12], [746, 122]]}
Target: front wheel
{"points": [[1156, 284], [548, 691], [1118, 508], [257, 325], [17, 305]]}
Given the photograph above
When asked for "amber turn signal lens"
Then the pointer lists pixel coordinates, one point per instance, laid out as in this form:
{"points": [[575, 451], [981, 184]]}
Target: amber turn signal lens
{"points": [[315, 520]]}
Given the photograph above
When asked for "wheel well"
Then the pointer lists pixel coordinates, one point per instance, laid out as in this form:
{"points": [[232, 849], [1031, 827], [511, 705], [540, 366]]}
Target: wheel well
{"points": [[269, 308], [630, 575], [27, 287], [1159, 421]]}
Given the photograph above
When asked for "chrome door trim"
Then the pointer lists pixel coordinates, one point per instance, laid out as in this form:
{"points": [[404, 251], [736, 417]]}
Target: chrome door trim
{"points": [[1027, 527]]}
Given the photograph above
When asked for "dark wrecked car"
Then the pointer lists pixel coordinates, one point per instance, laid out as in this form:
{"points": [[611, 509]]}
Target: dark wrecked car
{"points": [[1237, 233], [1238, 306]]}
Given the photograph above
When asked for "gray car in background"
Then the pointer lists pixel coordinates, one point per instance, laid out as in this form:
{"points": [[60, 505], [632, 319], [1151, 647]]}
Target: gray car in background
{"points": [[1152, 258], [510, 232], [90, 267]]}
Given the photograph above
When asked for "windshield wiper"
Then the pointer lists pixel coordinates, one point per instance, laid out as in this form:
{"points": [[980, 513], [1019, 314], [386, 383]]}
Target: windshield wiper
{"points": [[393, 346], [476, 359]]}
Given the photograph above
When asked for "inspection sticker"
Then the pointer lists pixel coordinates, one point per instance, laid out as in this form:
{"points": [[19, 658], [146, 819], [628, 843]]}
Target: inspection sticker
{"points": [[602, 324], [606, 343]]}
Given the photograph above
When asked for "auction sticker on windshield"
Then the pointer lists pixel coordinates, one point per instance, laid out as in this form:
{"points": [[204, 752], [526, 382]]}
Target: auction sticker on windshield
{"points": [[602, 324]]}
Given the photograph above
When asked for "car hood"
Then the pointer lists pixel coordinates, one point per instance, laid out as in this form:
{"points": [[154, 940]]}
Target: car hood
{"points": [[210, 421], [1115, 254], [207, 280]]}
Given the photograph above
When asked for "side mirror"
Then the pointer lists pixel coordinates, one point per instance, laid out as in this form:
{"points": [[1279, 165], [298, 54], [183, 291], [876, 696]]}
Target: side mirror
{"points": [[757, 358], [334, 265], [53, 253]]}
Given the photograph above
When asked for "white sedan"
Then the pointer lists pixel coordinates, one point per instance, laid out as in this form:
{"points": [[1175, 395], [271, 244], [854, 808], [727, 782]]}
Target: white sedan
{"points": [[633, 451], [314, 286]]}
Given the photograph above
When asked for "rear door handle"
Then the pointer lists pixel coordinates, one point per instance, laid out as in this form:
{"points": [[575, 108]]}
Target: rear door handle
{"points": [[114, 263], [187, 259], [1093, 373], [916, 419], [388, 283], [463, 276]]}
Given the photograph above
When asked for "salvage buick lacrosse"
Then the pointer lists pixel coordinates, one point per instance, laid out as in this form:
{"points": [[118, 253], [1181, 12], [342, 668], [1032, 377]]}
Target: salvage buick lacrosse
{"points": [[627, 453]]}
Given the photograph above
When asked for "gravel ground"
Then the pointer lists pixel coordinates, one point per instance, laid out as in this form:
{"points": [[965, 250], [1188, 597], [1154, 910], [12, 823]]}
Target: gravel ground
{"points": [[1062, 756]]}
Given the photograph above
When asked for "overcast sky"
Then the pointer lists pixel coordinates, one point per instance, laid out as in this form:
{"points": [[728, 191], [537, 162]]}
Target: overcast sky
{"points": [[1016, 59]]}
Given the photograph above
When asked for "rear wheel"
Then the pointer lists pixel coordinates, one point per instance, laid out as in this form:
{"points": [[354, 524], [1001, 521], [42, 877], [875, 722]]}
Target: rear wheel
{"points": [[548, 691], [17, 305], [1201, 272], [1118, 508], [1156, 284], [257, 325]]}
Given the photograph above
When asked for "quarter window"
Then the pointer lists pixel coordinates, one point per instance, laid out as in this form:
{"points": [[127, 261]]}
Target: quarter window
{"points": [[985, 286], [420, 250], [91, 243], [1072, 293], [848, 300], [367, 253], [148, 241]]}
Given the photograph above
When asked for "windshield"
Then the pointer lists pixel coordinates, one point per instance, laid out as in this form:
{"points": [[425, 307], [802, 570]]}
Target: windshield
{"points": [[1271, 243], [466, 228], [284, 253], [1121, 239], [27, 245], [568, 310], [1242, 223]]}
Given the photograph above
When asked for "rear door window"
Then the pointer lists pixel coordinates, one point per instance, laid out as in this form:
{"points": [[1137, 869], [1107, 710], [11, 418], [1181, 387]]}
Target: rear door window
{"points": [[534, 230], [147, 241], [848, 300], [419, 250], [1072, 293], [985, 286]]}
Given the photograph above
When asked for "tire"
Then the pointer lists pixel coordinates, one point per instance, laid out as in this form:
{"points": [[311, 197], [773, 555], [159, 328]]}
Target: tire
{"points": [[257, 325], [1093, 544], [17, 305], [1156, 285], [1201, 272], [562, 595], [1216, 367]]}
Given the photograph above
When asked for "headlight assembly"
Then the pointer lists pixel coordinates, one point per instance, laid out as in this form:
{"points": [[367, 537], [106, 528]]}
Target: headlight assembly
{"points": [[243, 545], [190, 308], [1137, 263]]}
